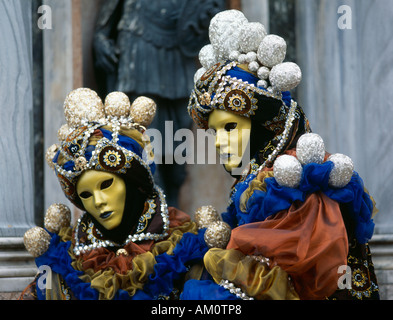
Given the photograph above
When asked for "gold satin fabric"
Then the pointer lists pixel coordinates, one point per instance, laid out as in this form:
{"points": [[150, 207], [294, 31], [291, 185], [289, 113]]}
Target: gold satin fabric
{"points": [[256, 184], [254, 278]]}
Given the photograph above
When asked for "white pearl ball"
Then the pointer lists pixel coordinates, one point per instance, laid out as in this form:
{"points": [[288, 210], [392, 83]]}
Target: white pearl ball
{"points": [[342, 171], [285, 76], [263, 73], [251, 56], [207, 56], [310, 148], [242, 58], [253, 66], [234, 55], [251, 35], [262, 83], [224, 32], [199, 73], [287, 171], [272, 50]]}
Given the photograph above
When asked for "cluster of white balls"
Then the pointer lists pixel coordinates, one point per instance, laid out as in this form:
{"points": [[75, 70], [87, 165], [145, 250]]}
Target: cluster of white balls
{"points": [[233, 37], [310, 148]]}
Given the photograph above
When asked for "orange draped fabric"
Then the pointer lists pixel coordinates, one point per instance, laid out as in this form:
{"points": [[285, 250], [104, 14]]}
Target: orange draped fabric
{"points": [[309, 241]]}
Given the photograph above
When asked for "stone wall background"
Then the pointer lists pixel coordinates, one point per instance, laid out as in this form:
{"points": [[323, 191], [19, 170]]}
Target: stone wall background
{"points": [[345, 92]]}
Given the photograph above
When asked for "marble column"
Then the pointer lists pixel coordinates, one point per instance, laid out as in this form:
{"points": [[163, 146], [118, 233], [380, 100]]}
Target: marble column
{"points": [[17, 172], [58, 82], [16, 143], [16, 99], [257, 11], [345, 51]]}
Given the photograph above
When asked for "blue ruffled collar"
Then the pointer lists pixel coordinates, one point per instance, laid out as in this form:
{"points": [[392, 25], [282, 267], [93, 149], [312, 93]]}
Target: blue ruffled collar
{"points": [[315, 178]]}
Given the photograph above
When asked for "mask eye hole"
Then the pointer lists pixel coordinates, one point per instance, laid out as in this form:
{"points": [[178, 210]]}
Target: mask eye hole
{"points": [[106, 184], [85, 195], [230, 126]]}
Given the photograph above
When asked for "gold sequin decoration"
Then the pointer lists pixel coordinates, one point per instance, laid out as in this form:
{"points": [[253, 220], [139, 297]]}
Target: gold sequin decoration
{"points": [[205, 216], [217, 235], [36, 241], [57, 216]]}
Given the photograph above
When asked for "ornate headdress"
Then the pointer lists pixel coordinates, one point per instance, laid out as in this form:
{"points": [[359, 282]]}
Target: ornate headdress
{"points": [[106, 137], [243, 70]]}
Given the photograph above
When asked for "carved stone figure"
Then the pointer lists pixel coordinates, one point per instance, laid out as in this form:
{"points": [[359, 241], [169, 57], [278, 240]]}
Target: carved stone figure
{"points": [[149, 48]]}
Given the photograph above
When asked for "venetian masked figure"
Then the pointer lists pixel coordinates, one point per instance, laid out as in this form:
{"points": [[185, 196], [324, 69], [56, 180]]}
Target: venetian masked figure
{"points": [[127, 242], [297, 214]]}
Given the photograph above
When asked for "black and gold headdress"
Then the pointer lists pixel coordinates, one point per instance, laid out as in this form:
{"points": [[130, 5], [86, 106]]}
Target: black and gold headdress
{"points": [[243, 72]]}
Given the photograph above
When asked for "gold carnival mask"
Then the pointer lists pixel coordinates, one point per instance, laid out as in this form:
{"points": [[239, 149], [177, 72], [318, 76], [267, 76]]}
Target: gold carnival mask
{"points": [[103, 195], [232, 134]]}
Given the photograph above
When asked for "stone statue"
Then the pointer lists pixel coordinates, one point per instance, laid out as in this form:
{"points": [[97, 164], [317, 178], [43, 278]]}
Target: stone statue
{"points": [[149, 48]]}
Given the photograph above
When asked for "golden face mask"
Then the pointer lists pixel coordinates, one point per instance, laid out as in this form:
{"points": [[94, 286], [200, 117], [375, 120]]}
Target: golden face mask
{"points": [[103, 195], [232, 133]]}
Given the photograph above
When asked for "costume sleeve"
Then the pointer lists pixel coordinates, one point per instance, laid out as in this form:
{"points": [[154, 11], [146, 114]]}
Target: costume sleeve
{"points": [[308, 241], [29, 293], [256, 279]]}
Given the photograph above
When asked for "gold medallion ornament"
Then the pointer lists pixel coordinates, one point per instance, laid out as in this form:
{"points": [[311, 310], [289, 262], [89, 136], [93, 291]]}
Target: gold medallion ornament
{"points": [[237, 102], [112, 159]]}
